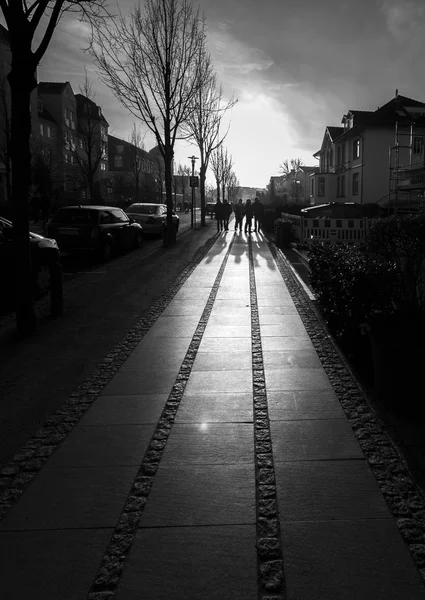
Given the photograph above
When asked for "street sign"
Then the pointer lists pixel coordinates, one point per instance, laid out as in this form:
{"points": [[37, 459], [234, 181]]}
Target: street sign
{"points": [[194, 181]]}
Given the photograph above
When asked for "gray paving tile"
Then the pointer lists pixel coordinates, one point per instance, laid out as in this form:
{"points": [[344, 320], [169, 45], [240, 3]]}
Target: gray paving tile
{"points": [[328, 490], [156, 346], [314, 440], [50, 564], [207, 408], [227, 331], [286, 342], [194, 563], [222, 361], [296, 405], [108, 445], [219, 381], [126, 383], [343, 560], [234, 294], [287, 308], [181, 307], [292, 326], [297, 379], [170, 327], [125, 410], [154, 364], [301, 359], [72, 498], [230, 319], [281, 320], [275, 300], [192, 293], [225, 345], [201, 495], [210, 443]]}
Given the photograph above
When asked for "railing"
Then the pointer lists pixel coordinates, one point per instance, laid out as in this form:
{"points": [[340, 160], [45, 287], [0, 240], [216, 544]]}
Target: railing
{"points": [[309, 229]]}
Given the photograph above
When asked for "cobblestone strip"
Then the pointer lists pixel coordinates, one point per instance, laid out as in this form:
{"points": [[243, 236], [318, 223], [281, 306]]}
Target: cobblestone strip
{"points": [[271, 579], [17, 474], [403, 496], [109, 572]]}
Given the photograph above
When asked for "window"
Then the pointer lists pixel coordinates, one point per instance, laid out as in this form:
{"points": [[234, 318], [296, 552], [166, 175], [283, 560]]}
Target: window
{"points": [[355, 184], [119, 216], [343, 153], [338, 155], [418, 145], [356, 148], [338, 186], [327, 222], [118, 161], [312, 186], [350, 223], [342, 185], [49, 131], [331, 157], [321, 191], [120, 149], [102, 167], [41, 129], [339, 222], [315, 222]]}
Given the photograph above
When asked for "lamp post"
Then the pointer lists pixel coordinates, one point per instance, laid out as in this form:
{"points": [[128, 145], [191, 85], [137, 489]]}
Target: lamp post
{"points": [[192, 185]]}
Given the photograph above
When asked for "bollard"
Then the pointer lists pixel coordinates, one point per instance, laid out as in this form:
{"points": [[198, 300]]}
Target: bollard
{"points": [[56, 290]]}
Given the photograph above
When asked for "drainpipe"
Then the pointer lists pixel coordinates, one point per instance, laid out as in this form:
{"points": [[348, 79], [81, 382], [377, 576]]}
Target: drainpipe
{"points": [[361, 185]]}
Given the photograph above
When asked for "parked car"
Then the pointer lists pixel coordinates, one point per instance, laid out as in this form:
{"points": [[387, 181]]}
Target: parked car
{"points": [[153, 217], [102, 230], [44, 254], [210, 209]]}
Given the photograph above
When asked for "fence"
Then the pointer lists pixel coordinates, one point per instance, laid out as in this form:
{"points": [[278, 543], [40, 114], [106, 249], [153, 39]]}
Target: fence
{"points": [[309, 229]]}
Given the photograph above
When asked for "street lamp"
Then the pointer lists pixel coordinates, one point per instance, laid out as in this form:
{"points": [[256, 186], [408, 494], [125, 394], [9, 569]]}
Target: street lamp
{"points": [[192, 185]]}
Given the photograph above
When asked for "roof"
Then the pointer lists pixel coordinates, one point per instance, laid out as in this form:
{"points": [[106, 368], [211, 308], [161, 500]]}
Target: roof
{"points": [[4, 33], [52, 87], [90, 207], [334, 132]]}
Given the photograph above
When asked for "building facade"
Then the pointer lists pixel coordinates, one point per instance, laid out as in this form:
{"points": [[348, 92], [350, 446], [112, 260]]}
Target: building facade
{"points": [[355, 159]]}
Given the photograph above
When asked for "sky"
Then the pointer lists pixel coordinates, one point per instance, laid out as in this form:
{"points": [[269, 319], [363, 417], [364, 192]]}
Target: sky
{"points": [[295, 67]]}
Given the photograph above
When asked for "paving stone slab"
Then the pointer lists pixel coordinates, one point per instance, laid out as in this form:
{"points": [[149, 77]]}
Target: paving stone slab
{"points": [[286, 342], [201, 495], [300, 359], [211, 563], [339, 560], [208, 408], [56, 565], [219, 381], [103, 446], [125, 410], [222, 361], [314, 440], [210, 443], [72, 498], [297, 379], [328, 490], [311, 404]]}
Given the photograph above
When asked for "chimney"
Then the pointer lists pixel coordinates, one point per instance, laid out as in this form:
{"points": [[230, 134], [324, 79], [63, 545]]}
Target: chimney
{"points": [[396, 93]]}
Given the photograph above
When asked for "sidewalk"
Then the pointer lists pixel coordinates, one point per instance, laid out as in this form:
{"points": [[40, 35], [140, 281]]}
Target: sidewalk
{"points": [[231, 456]]}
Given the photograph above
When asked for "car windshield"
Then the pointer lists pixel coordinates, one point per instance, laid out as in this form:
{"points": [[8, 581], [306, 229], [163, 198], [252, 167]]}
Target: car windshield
{"points": [[76, 216], [143, 209]]}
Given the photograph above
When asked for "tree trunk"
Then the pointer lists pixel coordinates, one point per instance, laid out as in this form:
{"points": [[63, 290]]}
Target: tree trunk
{"points": [[202, 176], [22, 81], [169, 233]]}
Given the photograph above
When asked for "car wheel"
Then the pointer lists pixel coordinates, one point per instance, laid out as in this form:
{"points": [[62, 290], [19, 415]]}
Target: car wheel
{"points": [[42, 280], [106, 250], [138, 240]]}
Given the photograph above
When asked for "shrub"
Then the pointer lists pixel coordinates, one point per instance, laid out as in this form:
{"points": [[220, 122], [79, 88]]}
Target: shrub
{"points": [[285, 233], [350, 286]]}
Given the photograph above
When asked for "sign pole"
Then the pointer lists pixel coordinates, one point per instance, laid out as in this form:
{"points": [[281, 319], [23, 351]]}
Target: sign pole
{"points": [[193, 183]]}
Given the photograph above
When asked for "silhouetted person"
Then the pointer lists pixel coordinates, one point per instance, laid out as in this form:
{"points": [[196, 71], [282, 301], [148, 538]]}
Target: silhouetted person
{"points": [[249, 213], [227, 211], [218, 210], [258, 208], [239, 212]]}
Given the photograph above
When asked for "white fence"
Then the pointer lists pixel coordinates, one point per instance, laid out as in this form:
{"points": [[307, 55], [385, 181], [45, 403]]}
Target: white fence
{"points": [[309, 229]]}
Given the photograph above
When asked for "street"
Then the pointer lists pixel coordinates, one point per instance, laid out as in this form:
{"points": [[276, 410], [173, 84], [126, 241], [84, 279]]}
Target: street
{"points": [[102, 303]]}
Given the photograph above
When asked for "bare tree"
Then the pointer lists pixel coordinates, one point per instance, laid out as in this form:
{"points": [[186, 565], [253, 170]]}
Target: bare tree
{"points": [[87, 144], [137, 146], [183, 174], [233, 187], [293, 164], [151, 63], [30, 25], [204, 123]]}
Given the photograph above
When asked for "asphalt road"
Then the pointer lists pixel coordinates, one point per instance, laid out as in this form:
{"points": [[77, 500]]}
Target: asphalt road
{"points": [[102, 303]]}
